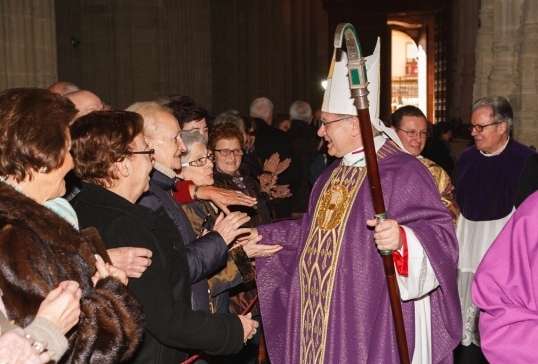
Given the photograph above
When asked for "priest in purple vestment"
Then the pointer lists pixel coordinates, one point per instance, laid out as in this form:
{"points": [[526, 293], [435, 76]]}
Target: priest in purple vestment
{"points": [[505, 286], [324, 297], [492, 179]]}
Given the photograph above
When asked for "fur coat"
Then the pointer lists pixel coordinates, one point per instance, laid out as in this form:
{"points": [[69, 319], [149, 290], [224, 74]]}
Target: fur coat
{"points": [[38, 250]]}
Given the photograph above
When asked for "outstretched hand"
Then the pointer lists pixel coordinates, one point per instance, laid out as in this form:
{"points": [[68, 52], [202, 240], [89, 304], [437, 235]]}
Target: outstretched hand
{"points": [[229, 227], [255, 250], [223, 198]]}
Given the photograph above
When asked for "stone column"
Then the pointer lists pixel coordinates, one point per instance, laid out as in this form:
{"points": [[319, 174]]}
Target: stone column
{"points": [[467, 21], [484, 54], [503, 78], [27, 43], [526, 124]]}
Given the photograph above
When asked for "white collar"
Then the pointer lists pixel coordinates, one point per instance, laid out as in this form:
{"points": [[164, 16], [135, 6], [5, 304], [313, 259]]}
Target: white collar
{"points": [[356, 158], [497, 152]]}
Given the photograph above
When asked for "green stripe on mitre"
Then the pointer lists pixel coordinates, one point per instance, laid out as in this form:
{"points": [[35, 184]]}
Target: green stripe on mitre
{"points": [[350, 27], [354, 76]]}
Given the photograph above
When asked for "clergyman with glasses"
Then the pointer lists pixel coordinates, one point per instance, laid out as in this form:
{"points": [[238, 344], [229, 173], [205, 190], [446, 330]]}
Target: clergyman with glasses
{"points": [[323, 296], [492, 179], [411, 126]]}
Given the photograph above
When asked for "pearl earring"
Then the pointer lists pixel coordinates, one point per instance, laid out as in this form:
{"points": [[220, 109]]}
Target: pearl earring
{"points": [[43, 170]]}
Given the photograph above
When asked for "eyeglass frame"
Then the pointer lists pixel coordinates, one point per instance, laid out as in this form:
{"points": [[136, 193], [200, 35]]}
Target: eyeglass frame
{"points": [[472, 126], [414, 133], [148, 152], [327, 123], [230, 152], [195, 163]]}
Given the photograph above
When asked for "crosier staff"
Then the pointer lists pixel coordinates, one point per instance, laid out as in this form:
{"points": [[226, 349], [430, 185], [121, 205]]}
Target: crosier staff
{"points": [[358, 83]]}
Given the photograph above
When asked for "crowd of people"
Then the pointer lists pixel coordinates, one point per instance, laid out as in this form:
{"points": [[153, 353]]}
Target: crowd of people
{"points": [[163, 234]]}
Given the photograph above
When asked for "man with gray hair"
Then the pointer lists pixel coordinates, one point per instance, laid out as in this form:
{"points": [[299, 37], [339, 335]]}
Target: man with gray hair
{"points": [[301, 110], [262, 108], [271, 140], [492, 179], [305, 142]]}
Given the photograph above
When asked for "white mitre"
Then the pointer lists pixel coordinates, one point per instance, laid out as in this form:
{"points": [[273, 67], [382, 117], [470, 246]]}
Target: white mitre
{"points": [[338, 100]]}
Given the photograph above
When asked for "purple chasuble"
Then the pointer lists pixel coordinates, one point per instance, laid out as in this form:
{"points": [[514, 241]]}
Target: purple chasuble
{"points": [[330, 264], [486, 188], [505, 287]]}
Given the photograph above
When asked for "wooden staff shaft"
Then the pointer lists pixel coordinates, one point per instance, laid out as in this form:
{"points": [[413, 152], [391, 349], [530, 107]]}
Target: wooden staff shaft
{"points": [[380, 213]]}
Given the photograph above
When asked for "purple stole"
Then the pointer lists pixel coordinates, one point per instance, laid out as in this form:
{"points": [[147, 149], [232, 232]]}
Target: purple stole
{"points": [[487, 186]]}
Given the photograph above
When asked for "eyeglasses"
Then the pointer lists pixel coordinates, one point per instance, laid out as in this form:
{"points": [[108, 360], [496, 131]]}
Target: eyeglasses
{"points": [[227, 152], [201, 131], [149, 152], [479, 128], [414, 133], [200, 161], [327, 123]]}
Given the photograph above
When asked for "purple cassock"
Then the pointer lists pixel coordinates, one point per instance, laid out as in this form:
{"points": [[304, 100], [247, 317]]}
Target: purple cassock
{"points": [[324, 297], [505, 288]]}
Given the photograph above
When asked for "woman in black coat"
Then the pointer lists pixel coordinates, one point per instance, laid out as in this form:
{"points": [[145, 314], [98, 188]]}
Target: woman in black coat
{"points": [[114, 162]]}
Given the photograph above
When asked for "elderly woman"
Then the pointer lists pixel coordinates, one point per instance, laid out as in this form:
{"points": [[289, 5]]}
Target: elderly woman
{"points": [[251, 163], [197, 166], [114, 162], [39, 249], [227, 143]]}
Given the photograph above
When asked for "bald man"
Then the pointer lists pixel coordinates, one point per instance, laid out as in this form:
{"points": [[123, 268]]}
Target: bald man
{"points": [[85, 102], [63, 88]]}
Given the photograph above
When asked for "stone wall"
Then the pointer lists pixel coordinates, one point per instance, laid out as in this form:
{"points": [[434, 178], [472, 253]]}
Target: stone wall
{"points": [[27, 43], [507, 60]]}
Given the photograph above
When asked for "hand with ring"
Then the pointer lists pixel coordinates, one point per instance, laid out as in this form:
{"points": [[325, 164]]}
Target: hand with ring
{"points": [[249, 326], [223, 198], [18, 347], [229, 227]]}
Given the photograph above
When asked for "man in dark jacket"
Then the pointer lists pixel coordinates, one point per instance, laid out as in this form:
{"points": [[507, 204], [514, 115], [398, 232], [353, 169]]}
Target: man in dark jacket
{"points": [[304, 141], [208, 253], [271, 140]]}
